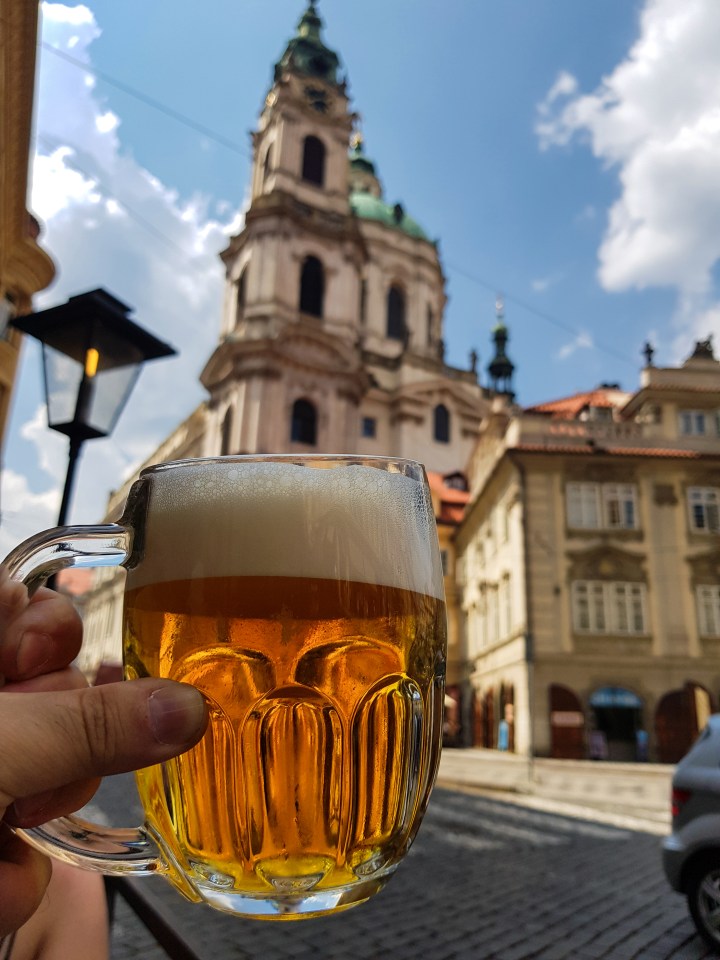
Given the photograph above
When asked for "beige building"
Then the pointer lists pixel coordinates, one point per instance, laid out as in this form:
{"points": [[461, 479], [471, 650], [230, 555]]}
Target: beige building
{"points": [[589, 570], [331, 335], [24, 267]]}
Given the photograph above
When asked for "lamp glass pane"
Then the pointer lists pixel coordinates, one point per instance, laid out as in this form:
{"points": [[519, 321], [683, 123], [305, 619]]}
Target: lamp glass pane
{"points": [[63, 376], [111, 389]]}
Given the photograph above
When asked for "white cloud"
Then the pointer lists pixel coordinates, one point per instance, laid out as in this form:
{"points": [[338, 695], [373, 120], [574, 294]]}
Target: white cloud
{"points": [[656, 119], [541, 284], [583, 341], [110, 223]]}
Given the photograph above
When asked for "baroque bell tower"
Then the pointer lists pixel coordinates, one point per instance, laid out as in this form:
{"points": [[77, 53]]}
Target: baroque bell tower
{"points": [[331, 336], [285, 374]]}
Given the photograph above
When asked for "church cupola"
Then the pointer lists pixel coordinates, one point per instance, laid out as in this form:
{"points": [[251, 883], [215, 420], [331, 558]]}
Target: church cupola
{"points": [[363, 177], [302, 141], [501, 367], [306, 54]]}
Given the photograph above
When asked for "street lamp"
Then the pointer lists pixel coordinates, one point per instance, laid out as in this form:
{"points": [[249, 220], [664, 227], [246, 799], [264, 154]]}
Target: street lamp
{"points": [[92, 354]]}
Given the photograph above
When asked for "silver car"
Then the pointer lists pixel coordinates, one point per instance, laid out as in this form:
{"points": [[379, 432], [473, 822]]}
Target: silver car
{"points": [[691, 854]]}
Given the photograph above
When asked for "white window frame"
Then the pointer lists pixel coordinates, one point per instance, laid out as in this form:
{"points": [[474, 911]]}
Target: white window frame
{"points": [[601, 506], [707, 598], [612, 607], [699, 423], [704, 509]]}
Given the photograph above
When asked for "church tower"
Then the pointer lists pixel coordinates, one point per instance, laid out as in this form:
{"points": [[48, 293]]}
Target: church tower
{"points": [[331, 338]]}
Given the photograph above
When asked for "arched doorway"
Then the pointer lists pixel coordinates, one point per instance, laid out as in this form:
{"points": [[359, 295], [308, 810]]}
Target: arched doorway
{"points": [[617, 719], [679, 717], [567, 724]]}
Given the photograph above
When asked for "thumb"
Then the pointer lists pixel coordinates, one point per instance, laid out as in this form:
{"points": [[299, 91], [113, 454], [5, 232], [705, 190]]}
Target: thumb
{"points": [[53, 739]]}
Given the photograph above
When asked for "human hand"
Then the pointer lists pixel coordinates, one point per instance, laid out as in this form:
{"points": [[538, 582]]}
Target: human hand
{"points": [[60, 736]]}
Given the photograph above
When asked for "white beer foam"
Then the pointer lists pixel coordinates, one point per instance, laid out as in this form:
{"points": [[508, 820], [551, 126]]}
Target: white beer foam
{"points": [[255, 518]]}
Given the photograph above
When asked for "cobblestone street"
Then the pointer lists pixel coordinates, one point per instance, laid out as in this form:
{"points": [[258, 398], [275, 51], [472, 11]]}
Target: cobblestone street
{"points": [[486, 879]]}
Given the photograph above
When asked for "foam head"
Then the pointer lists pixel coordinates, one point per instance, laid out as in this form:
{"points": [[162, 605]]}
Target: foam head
{"points": [[237, 517]]}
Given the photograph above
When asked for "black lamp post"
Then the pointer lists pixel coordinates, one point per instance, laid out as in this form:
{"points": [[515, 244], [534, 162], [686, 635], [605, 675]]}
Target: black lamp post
{"points": [[92, 354]]}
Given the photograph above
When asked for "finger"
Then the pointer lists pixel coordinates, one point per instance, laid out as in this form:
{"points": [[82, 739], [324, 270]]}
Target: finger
{"points": [[69, 679], [40, 637], [52, 740], [24, 876], [32, 811]]}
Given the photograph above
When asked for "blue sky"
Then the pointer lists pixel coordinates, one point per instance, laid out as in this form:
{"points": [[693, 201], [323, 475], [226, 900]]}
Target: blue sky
{"points": [[564, 152]]}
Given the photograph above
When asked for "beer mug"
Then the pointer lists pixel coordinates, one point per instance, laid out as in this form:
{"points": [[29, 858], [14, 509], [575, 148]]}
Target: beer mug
{"points": [[304, 597]]}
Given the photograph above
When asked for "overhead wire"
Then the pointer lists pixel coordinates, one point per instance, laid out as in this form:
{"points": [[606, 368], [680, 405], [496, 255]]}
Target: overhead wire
{"points": [[229, 144]]}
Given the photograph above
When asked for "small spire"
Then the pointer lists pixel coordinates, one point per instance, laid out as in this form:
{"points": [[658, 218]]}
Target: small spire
{"points": [[356, 141], [501, 367], [648, 352]]}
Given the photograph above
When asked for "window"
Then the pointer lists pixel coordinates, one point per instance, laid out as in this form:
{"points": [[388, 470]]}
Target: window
{"points": [[708, 607], [594, 506], [430, 327], [241, 295], [313, 162], [226, 433], [396, 313], [444, 562], [303, 428], [363, 302], [267, 163], [368, 427], [505, 603], [700, 423], [600, 606], [312, 287], [703, 508], [441, 423]]}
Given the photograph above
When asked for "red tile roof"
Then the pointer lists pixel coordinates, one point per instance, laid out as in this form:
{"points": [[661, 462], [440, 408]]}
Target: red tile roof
{"points": [[451, 501], [586, 448], [569, 408]]}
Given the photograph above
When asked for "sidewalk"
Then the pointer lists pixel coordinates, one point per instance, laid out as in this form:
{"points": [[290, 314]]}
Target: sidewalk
{"points": [[632, 791]]}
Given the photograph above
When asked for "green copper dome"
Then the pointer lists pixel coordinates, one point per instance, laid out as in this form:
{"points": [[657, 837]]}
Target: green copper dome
{"points": [[306, 53], [368, 207]]}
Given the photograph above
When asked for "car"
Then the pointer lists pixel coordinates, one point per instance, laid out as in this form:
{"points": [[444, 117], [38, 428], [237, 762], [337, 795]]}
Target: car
{"points": [[691, 853]]}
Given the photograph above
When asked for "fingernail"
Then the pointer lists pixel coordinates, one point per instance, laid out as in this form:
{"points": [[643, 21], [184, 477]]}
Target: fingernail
{"points": [[176, 713], [34, 652]]}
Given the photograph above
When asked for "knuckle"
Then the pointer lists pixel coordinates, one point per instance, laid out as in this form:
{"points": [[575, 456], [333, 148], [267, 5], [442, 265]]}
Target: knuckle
{"points": [[101, 728]]}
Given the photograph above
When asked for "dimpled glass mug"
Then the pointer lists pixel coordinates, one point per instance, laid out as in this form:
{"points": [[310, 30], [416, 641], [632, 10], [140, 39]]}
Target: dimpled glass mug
{"points": [[304, 597]]}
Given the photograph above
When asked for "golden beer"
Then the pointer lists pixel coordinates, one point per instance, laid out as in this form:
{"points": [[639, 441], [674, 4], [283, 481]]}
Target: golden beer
{"points": [[326, 698], [307, 606]]}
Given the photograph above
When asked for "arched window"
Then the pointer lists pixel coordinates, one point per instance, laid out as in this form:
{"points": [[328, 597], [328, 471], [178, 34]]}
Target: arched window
{"points": [[303, 428], [312, 287], [226, 433], [267, 163], [430, 326], [396, 329], [441, 427], [313, 162], [241, 295]]}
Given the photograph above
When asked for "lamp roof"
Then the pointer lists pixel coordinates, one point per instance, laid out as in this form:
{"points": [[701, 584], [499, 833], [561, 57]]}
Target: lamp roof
{"points": [[94, 319]]}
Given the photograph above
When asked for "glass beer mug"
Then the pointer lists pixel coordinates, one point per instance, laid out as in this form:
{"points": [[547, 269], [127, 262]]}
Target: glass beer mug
{"points": [[304, 597]]}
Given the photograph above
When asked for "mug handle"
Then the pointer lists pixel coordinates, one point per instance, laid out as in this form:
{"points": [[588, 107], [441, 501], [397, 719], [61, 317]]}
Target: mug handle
{"points": [[111, 850]]}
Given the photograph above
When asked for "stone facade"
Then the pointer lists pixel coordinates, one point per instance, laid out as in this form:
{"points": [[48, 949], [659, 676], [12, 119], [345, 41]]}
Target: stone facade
{"points": [[589, 562]]}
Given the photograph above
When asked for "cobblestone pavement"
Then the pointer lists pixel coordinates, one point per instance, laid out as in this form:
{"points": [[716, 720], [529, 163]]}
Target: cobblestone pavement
{"points": [[486, 879]]}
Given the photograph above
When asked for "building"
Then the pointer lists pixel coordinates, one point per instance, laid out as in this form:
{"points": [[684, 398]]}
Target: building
{"points": [[24, 267], [331, 335], [589, 570]]}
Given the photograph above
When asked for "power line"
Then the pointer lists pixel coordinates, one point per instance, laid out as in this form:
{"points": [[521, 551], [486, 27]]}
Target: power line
{"points": [[547, 317], [237, 148], [150, 101]]}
